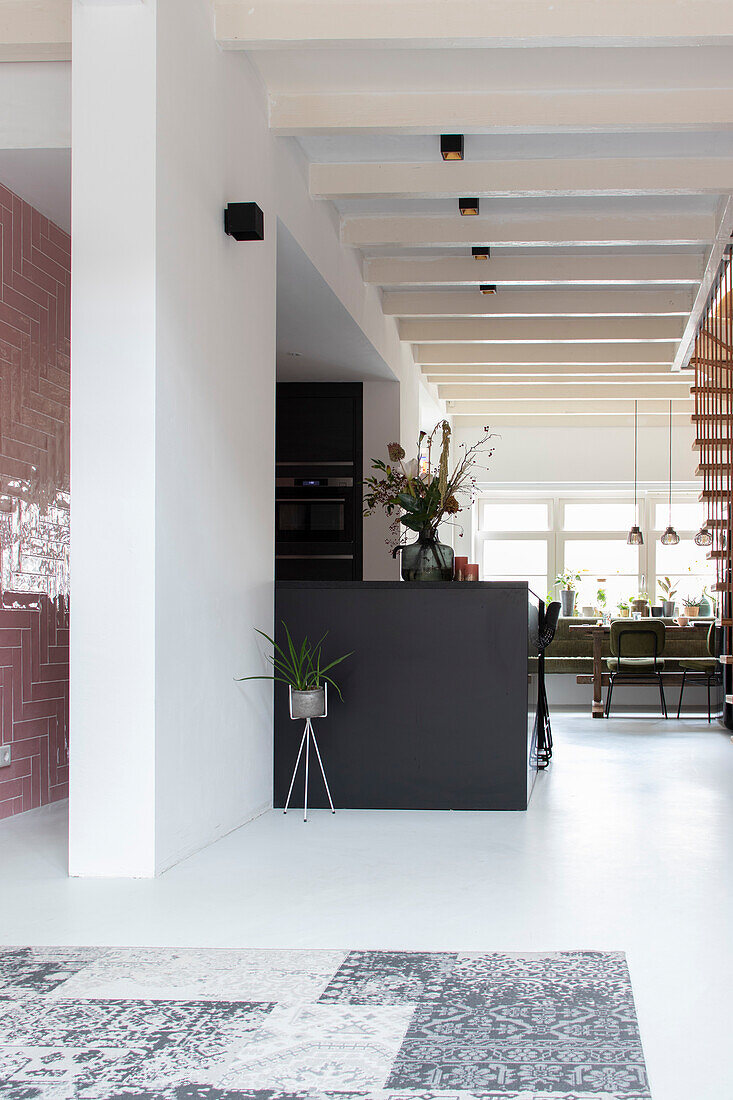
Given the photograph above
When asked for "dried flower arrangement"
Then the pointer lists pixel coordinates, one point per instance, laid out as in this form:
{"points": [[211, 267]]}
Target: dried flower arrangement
{"points": [[423, 493]]}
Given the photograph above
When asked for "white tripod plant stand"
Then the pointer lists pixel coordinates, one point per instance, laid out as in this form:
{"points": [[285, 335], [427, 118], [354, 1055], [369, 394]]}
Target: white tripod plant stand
{"points": [[305, 742]]}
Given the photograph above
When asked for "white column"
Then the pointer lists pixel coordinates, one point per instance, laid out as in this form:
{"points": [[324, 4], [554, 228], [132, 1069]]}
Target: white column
{"points": [[172, 440], [112, 827]]}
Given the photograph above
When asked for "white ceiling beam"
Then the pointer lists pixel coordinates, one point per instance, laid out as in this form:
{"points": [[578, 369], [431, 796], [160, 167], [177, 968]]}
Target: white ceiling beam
{"points": [[540, 270], [537, 303], [244, 25], [35, 30], [497, 330], [560, 176], [492, 112], [559, 229], [715, 257], [563, 391], [453, 355], [478, 372], [636, 372], [581, 410], [576, 413]]}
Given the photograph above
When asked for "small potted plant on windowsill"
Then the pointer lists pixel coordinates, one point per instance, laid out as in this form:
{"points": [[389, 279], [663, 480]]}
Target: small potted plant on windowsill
{"points": [[668, 594], [623, 610], [692, 606], [640, 603], [566, 582], [707, 604], [301, 669]]}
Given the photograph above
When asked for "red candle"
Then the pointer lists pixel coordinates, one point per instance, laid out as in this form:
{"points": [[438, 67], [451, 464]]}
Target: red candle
{"points": [[460, 568], [470, 573]]}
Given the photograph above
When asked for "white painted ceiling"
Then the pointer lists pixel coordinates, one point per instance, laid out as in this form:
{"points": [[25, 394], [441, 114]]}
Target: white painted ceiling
{"points": [[602, 258], [335, 71], [317, 338], [43, 178]]}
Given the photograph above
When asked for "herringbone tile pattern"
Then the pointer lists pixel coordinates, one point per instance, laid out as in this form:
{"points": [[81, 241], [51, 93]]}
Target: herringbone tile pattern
{"points": [[35, 280]]}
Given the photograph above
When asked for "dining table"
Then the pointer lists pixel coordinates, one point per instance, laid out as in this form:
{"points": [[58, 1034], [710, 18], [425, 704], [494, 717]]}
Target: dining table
{"points": [[599, 631]]}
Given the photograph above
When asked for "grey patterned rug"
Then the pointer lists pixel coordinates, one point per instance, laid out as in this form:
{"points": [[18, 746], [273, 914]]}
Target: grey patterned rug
{"points": [[158, 1024]]}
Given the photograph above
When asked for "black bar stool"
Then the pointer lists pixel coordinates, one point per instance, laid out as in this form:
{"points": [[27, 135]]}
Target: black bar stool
{"points": [[544, 730]]}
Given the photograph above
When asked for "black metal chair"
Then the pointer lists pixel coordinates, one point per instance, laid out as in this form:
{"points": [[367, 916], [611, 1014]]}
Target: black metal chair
{"points": [[706, 669], [544, 731], [636, 649]]}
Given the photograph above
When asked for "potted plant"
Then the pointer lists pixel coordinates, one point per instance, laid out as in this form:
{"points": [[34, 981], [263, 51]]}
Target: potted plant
{"points": [[623, 610], [668, 594], [566, 582], [707, 604], [692, 606], [302, 669], [426, 495], [640, 603]]}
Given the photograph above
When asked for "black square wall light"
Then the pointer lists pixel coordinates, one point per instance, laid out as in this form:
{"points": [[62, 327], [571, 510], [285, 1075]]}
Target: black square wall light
{"points": [[244, 221], [468, 207], [451, 146]]}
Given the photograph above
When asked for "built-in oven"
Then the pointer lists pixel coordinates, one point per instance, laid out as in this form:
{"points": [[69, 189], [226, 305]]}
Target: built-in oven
{"points": [[314, 510]]}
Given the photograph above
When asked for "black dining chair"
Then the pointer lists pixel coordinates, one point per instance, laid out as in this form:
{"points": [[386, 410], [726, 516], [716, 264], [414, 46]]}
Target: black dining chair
{"points": [[544, 730], [706, 669], [636, 646]]}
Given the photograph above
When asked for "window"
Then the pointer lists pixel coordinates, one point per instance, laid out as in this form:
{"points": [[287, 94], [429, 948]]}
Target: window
{"points": [[537, 538], [686, 564], [607, 564], [593, 516], [501, 516], [514, 541], [516, 560]]}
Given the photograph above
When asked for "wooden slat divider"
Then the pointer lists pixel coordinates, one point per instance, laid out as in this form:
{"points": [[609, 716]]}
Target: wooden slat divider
{"points": [[713, 416]]}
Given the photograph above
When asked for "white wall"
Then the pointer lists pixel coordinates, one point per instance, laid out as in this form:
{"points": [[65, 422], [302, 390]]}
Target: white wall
{"points": [[381, 427], [173, 429], [215, 459], [112, 772], [536, 454], [35, 105]]}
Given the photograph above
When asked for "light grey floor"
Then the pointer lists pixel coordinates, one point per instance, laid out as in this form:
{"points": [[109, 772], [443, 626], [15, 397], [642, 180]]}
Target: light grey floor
{"points": [[627, 846]]}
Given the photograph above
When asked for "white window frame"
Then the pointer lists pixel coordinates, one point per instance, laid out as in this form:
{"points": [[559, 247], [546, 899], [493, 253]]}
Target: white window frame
{"points": [[480, 537], [556, 536]]}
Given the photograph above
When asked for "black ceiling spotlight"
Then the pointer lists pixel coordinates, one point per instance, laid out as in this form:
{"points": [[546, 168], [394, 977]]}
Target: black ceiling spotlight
{"points": [[481, 252], [244, 221], [468, 207], [487, 288], [451, 146]]}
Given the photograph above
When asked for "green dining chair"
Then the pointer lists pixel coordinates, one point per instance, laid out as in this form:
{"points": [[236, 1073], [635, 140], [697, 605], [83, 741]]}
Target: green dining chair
{"points": [[707, 669], [636, 647]]}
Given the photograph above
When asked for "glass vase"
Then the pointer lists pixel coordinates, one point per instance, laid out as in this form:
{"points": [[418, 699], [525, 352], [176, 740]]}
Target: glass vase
{"points": [[427, 559]]}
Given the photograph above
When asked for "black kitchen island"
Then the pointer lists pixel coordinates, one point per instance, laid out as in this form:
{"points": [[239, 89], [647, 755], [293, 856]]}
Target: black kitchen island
{"points": [[439, 703]]}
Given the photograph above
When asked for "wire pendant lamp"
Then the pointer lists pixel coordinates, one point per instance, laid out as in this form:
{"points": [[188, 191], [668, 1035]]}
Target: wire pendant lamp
{"points": [[670, 536], [635, 537], [704, 537]]}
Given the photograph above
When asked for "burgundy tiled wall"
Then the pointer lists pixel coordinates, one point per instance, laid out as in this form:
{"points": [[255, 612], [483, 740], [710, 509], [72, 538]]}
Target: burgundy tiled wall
{"points": [[34, 505]]}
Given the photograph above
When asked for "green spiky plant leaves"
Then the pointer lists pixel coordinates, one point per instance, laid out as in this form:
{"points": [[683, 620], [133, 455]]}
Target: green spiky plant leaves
{"points": [[299, 667]]}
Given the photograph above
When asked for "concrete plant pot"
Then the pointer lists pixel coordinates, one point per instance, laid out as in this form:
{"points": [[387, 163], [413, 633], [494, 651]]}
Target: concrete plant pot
{"points": [[668, 606], [308, 704], [567, 601]]}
